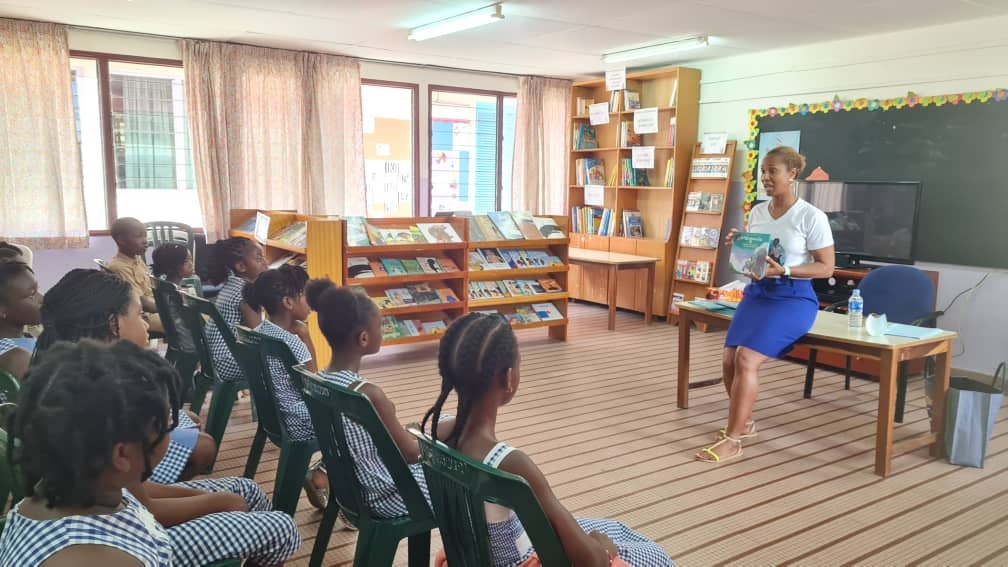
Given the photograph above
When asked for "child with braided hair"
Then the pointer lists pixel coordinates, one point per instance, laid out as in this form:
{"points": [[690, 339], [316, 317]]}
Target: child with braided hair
{"points": [[234, 263], [83, 470], [479, 360], [351, 324], [20, 302]]}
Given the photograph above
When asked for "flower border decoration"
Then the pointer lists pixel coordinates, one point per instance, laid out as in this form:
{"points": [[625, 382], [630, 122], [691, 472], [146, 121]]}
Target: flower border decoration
{"points": [[911, 100]]}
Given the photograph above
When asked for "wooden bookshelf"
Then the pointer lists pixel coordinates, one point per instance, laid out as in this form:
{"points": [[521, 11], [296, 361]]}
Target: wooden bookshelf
{"points": [[689, 288], [660, 206]]}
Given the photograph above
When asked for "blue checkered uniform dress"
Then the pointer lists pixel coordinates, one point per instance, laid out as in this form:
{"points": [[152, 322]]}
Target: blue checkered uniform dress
{"points": [[510, 545], [293, 410], [133, 530], [380, 491], [228, 301], [182, 443], [7, 345]]}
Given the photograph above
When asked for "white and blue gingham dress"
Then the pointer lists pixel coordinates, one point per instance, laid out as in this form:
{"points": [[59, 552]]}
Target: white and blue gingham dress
{"points": [[510, 545], [381, 494], [293, 410], [228, 303], [7, 345], [182, 443]]}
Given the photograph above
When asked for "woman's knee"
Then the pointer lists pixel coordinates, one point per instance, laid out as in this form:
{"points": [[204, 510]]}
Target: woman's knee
{"points": [[728, 360], [747, 359]]}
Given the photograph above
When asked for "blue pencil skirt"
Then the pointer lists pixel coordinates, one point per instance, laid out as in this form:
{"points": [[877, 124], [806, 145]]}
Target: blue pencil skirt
{"points": [[773, 315]]}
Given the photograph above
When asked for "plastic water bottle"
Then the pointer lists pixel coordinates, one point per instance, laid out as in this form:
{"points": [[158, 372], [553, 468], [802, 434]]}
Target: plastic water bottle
{"points": [[855, 310]]}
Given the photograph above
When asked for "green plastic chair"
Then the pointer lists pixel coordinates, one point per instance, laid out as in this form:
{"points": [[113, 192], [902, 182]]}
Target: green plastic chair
{"points": [[160, 232], [185, 360], [460, 486], [256, 351], [9, 387], [377, 538], [194, 309]]}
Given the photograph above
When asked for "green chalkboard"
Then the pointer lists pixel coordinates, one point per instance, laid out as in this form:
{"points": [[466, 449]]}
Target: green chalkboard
{"points": [[959, 153]]}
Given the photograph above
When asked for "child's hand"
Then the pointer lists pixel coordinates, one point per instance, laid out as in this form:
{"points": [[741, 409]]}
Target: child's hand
{"points": [[229, 502], [196, 419], [301, 330], [606, 543]]}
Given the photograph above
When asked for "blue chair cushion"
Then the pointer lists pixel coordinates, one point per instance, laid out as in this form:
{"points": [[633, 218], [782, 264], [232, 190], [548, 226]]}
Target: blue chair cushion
{"points": [[903, 293]]}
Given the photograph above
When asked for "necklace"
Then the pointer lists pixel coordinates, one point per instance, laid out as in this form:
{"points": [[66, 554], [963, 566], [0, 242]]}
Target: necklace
{"points": [[775, 215]]}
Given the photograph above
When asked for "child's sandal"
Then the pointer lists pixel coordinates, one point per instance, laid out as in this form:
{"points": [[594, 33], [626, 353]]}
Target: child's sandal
{"points": [[708, 455]]}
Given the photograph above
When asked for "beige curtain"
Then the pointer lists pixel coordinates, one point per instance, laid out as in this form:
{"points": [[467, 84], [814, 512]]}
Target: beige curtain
{"points": [[542, 138], [273, 129], [41, 184]]}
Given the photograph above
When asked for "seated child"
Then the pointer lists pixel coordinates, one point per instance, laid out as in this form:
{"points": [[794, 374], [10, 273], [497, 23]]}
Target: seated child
{"points": [[478, 358], [351, 324], [82, 469], [130, 264], [234, 263], [20, 303], [173, 263]]}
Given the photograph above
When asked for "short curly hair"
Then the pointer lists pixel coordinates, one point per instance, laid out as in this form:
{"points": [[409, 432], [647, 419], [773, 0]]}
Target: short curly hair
{"points": [[83, 305], [78, 403]]}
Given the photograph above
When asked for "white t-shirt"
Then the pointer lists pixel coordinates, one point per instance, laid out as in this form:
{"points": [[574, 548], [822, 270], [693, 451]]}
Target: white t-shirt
{"points": [[801, 229]]}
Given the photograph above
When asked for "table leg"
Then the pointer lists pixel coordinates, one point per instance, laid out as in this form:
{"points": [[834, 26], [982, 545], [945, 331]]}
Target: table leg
{"points": [[886, 412], [682, 386], [611, 296], [649, 293], [939, 395]]}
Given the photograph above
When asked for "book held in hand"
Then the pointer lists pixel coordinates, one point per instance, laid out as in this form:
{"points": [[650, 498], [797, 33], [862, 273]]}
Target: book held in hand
{"points": [[749, 253]]}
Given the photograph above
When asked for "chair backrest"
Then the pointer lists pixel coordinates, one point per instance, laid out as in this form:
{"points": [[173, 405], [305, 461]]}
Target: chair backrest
{"points": [[194, 309], [459, 488], [102, 264], [255, 351], [903, 293], [160, 232], [329, 405], [10, 487], [169, 304], [9, 387]]}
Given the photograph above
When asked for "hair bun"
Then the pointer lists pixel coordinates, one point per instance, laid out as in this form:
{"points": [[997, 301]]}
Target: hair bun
{"points": [[314, 290]]}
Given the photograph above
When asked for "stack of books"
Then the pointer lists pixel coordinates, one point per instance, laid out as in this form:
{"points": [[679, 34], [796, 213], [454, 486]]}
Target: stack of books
{"points": [[512, 288]]}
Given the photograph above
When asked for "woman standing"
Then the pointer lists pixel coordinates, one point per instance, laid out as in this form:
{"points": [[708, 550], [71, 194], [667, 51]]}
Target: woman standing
{"points": [[779, 308]]}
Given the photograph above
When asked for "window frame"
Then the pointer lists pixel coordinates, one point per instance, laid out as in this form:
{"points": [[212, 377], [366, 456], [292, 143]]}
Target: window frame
{"points": [[102, 61], [415, 150], [500, 95]]}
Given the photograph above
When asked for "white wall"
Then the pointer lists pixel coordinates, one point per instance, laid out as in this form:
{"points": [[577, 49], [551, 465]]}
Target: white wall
{"points": [[960, 57]]}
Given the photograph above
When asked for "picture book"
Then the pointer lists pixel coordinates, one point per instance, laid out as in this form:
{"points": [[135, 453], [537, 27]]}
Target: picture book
{"points": [[475, 232], [538, 258], [749, 253], [548, 227], [526, 224], [584, 137], [395, 235], [494, 259], [527, 314], [390, 327], [439, 232], [412, 266], [378, 268], [393, 266], [383, 302], [534, 285], [476, 261], [409, 328], [400, 296], [506, 225], [374, 235], [547, 311], [633, 226], [423, 294], [356, 232], [281, 261], [631, 100], [359, 268], [446, 295], [512, 318], [429, 265], [693, 201], [432, 327], [590, 171], [447, 265], [628, 138], [487, 227], [550, 285]]}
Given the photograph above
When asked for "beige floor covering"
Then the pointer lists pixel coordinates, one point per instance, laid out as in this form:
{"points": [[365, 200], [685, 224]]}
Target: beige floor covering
{"points": [[598, 415]]}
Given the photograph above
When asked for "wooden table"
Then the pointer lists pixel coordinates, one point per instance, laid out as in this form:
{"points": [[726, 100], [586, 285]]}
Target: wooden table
{"points": [[830, 333], [615, 262]]}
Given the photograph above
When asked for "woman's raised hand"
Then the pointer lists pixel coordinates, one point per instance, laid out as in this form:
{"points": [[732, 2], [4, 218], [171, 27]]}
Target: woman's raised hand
{"points": [[730, 236]]}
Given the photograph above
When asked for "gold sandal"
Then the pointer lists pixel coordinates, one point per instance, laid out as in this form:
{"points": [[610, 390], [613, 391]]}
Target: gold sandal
{"points": [[714, 457], [747, 435]]}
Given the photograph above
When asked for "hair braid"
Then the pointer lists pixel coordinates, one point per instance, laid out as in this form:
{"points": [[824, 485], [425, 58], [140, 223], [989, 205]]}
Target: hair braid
{"points": [[83, 304], [224, 256], [272, 286]]}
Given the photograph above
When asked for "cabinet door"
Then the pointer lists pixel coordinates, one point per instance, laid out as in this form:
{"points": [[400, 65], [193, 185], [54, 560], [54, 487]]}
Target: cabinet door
{"points": [[574, 287], [594, 283]]}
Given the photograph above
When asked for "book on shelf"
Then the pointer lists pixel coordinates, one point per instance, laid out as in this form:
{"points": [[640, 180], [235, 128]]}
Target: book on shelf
{"points": [[669, 177], [632, 177], [438, 232], [446, 295], [400, 296], [672, 130], [614, 101], [631, 100], [749, 253], [405, 235], [710, 168], [433, 327], [701, 201], [487, 228], [675, 93], [383, 302], [581, 105], [494, 259], [280, 261], [526, 313], [506, 225], [693, 270], [447, 265], [429, 265], [550, 285], [357, 232], [476, 261], [359, 268], [584, 137], [547, 311], [378, 268], [423, 294], [633, 225], [628, 138], [475, 233], [548, 227], [390, 327], [412, 266], [409, 327], [716, 202], [589, 171], [393, 266], [247, 226], [700, 237], [526, 224], [295, 234]]}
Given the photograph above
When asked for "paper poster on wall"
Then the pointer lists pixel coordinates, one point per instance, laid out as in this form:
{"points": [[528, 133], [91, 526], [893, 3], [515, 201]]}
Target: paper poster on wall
{"points": [[642, 157], [261, 230], [645, 120], [714, 143], [598, 113], [615, 79], [767, 142], [594, 195]]}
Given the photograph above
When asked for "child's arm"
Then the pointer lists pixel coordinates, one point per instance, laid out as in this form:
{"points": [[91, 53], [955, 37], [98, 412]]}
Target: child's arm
{"points": [[91, 554], [250, 317], [148, 305], [176, 507], [407, 444], [584, 550], [16, 361], [301, 330]]}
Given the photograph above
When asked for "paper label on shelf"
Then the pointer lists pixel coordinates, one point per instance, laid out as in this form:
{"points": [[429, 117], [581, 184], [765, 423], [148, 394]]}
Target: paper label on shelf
{"points": [[615, 79], [261, 230], [598, 113], [383, 150], [645, 120], [642, 157], [714, 143], [594, 195]]}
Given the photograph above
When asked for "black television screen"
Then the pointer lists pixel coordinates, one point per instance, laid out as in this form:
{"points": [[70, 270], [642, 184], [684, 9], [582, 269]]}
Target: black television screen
{"points": [[870, 220]]}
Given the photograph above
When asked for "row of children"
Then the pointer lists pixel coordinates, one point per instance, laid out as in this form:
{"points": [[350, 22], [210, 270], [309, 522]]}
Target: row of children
{"points": [[123, 443]]}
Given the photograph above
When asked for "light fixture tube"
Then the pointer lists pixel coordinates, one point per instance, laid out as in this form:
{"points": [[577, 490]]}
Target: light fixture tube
{"points": [[654, 50], [469, 20]]}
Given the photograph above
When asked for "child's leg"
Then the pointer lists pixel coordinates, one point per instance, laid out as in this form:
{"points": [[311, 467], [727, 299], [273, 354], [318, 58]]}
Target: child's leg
{"points": [[246, 488], [202, 457], [634, 548], [262, 538]]}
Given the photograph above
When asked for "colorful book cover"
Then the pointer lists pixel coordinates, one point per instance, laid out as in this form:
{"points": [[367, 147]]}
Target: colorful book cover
{"points": [[433, 327], [487, 227], [409, 328], [585, 138], [547, 311], [506, 225], [390, 327], [423, 294], [693, 201], [439, 232], [400, 296], [412, 266], [527, 313], [538, 258], [378, 268], [395, 235], [393, 266], [383, 302], [446, 294], [716, 202], [548, 227], [631, 100], [749, 253], [429, 265], [359, 268], [550, 285], [357, 232], [526, 224], [374, 235], [513, 318], [475, 232], [447, 265], [476, 261], [494, 259]]}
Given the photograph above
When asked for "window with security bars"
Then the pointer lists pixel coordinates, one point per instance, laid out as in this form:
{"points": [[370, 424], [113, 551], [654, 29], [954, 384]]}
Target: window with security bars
{"points": [[472, 150]]}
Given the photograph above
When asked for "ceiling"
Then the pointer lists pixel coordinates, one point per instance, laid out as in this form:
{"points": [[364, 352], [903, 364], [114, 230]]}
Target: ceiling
{"points": [[563, 38]]}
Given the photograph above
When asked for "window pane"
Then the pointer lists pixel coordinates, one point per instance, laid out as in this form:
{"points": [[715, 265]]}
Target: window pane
{"points": [[463, 152], [508, 119], [84, 86], [153, 157], [388, 149]]}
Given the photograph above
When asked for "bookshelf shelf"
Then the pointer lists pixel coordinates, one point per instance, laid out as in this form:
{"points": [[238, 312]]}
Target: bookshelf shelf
{"points": [[534, 244], [592, 150], [515, 273], [397, 281], [694, 282], [696, 247], [540, 324], [425, 308], [412, 340], [516, 300], [586, 117], [660, 207], [402, 248]]}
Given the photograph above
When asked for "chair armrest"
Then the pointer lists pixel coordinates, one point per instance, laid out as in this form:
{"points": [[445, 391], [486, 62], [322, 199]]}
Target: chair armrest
{"points": [[929, 320]]}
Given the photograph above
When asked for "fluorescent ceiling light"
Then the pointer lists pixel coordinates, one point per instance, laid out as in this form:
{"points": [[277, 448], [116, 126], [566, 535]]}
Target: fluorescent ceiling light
{"points": [[655, 50], [469, 20]]}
